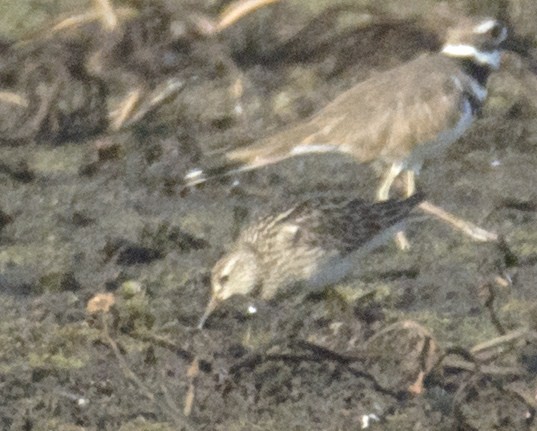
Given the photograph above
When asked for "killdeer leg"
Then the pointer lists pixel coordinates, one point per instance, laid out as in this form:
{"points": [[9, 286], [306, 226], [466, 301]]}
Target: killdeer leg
{"points": [[470, 229], [410, 189], [410, 183], [383, 192]]}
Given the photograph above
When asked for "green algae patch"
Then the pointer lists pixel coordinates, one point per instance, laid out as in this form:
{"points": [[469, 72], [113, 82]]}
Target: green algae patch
{"points": [[45, 346], [20, 17], [66, 159], [58, 361], [63, 347], [58, 282], [464, 331], [523, 243], [134, 311]]}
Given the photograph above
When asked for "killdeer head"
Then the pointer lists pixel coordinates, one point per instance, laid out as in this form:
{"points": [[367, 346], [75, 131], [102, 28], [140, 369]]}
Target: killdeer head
{"points": [[476, 40]]}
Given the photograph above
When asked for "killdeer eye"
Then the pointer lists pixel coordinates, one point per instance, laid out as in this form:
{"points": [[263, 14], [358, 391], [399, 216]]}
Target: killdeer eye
{"points": [[496, 31]]}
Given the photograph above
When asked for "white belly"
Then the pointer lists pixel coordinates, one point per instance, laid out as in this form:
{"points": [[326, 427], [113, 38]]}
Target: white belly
{"points": [[443, 140], [330, 272]]}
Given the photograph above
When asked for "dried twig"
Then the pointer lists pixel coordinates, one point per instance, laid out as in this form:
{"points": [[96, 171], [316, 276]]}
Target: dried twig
{"points": [[119, 115], [239, 9], [107, 14], [502, 340], [159, 96], [124, 367], [168, 408], [192, 374], [14, 98], [489, 305], [490, 370]]}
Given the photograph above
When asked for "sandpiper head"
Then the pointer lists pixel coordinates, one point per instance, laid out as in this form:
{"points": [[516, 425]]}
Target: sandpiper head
{"points": [[478, 40], [237, 273]]}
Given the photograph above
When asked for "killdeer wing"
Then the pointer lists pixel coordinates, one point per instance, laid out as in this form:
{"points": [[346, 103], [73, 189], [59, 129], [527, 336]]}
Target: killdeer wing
{"points": [[385, 117], [401, 116]]}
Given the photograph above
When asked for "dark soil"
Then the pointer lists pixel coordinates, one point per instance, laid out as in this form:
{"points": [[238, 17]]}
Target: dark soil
{"points": [[87, 210]]}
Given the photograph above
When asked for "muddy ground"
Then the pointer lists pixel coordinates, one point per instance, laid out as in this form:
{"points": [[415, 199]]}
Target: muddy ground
{"points": [[441, 337]]}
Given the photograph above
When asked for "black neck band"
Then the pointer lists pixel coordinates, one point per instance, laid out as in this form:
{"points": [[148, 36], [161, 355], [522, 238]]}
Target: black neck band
{"points": [[480, 72]]}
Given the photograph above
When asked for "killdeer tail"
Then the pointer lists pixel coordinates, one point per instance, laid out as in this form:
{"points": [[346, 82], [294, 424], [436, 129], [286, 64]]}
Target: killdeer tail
{"points": [[240, 160], [199, 175]]}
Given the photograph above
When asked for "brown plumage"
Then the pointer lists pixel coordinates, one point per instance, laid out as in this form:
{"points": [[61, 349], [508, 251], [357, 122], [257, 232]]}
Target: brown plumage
{"points": [[312, 243], [401, 117], [381, 118]]}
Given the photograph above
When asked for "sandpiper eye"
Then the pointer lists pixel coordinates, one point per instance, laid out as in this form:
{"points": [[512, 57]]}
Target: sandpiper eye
{"points": [[224, 279]]}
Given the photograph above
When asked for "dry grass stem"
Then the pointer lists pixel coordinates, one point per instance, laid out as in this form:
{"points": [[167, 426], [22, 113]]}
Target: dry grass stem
{"points": [[119, 116], [502, 340], [123, 366], [107, 14], [470, 229], [192, 374], [88, 17], [239, 9], [13, 98], [159, 96]]}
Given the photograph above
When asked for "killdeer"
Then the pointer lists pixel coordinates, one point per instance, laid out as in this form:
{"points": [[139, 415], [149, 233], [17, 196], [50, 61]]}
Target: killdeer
{"points": [[401, 117], [313, 243]]}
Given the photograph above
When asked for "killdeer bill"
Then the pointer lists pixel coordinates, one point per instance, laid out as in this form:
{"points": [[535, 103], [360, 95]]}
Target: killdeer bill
{"points": [[312, 243], [401, 117]]}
